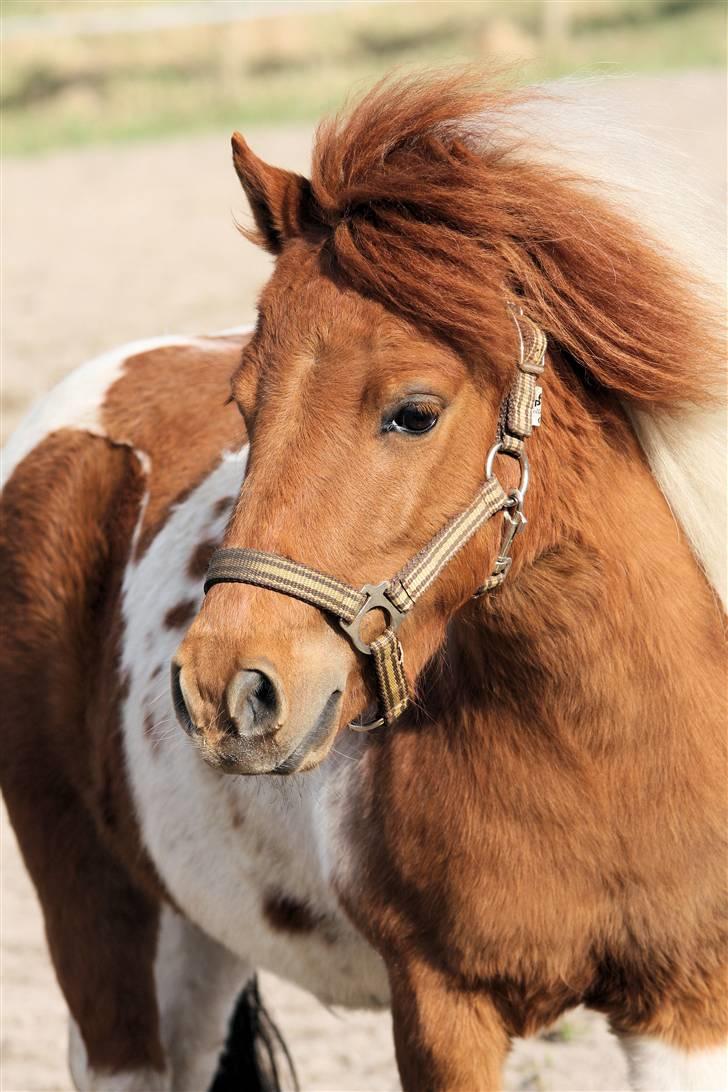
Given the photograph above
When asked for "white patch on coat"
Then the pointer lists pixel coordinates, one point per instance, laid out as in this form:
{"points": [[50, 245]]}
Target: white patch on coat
{"points": [[87, 1079], [75, 402], [657, 1067], [222, 844], [198, 982]]}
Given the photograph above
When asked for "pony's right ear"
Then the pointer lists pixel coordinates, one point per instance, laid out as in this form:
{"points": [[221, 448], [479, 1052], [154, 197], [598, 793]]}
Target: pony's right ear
{"points": [[281, 201]]}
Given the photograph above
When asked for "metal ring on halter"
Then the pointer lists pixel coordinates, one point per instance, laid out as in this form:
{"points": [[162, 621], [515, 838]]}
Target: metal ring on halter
{"points": [[366, 727], [498, 449]]}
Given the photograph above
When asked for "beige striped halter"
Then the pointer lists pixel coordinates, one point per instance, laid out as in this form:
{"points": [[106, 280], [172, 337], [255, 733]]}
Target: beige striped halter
{"points": [[396, 597]]}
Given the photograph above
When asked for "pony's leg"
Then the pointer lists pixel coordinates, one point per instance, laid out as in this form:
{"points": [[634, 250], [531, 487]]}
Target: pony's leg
{"points": [[447, 1040], [88, 1079], [655, 1066], [198, 981], [102, 934]]}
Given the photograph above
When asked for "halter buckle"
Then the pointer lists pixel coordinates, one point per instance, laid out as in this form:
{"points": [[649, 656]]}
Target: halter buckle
{"points": [[376, 599]]}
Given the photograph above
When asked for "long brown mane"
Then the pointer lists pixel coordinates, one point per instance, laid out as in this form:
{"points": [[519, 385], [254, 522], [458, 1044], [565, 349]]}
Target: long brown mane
{"points": [[439, 222]]}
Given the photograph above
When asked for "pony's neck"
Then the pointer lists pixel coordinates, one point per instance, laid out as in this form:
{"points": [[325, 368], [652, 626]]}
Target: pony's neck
{"points": [[603, 595]]}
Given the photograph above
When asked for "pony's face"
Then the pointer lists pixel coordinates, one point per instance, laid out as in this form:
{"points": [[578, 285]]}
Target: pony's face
{"points": [[367, 433], [365, 438]]}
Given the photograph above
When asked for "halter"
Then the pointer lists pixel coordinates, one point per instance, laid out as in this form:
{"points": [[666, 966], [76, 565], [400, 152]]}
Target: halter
{"points": [[521, 411]]}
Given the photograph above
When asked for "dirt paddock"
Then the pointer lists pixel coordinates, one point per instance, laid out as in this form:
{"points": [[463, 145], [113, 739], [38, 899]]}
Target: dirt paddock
{"points": [[111, 244]]}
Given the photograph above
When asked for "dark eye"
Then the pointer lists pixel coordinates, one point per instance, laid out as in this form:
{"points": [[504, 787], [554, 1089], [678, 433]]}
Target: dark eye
{"points": [[413, 417]]}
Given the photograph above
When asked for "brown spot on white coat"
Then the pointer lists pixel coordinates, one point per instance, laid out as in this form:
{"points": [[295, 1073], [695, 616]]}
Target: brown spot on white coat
{"points": [[180, 615], [200, 559]]}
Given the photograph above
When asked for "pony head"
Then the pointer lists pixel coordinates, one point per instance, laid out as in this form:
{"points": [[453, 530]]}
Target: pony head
{"points": [[372, 385]]}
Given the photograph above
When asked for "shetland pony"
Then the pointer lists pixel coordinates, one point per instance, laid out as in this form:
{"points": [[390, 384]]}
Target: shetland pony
{"points": [[545, 825]]}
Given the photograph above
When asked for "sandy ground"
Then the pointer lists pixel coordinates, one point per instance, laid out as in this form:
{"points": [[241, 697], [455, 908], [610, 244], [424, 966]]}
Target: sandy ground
{"points": [[107, 245]]}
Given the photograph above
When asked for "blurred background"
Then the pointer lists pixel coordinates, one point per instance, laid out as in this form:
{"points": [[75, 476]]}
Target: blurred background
{"points": [[118, 207], [76, 73]]}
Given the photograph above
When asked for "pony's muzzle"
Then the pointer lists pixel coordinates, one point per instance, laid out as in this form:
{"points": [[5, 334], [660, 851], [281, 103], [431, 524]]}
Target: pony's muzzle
{"points": [[254, 706], [250, 713]]}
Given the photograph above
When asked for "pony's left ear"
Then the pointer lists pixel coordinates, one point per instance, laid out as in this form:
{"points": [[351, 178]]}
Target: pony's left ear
{"points": [[281, 201]]}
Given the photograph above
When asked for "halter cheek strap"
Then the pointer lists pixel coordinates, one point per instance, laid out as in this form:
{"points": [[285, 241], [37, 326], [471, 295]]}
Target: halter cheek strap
{"points": [[398, 596]]}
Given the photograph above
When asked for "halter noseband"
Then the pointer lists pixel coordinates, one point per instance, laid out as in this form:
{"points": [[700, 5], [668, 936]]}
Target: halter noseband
{"points": [[396, 597]]}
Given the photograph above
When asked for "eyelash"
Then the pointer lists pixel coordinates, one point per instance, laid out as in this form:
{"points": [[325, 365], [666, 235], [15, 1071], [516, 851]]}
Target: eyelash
{"points": [[423, 409]]}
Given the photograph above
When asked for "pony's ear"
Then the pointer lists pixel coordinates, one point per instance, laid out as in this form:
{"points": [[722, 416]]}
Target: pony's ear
{"points": [[281, 201]]}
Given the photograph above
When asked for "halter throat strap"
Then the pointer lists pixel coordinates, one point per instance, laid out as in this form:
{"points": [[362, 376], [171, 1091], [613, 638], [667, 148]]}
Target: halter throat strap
{"points": [[397, 597]]}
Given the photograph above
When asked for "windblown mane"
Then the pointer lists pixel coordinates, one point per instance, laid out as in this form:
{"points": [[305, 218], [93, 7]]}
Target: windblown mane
{"points": [[435, 202], [439, 213]]}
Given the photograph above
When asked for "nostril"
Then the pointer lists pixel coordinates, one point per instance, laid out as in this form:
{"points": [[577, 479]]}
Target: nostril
{"points": [[265, 693], [253, 704], [178, 700]]}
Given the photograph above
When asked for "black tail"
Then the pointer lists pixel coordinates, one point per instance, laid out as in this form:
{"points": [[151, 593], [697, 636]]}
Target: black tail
{"points": [[254, 1047]]}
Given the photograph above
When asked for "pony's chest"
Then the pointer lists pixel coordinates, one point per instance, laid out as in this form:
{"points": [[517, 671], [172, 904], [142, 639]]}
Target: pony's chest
{"points": [[249, 860]]}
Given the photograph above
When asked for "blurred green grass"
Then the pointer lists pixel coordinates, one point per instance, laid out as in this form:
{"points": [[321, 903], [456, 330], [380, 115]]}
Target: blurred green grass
{"points": [[80, 87]]}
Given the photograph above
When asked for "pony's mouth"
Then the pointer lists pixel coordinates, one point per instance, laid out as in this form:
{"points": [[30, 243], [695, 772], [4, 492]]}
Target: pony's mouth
{"points": [[311, 749]]}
